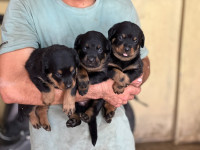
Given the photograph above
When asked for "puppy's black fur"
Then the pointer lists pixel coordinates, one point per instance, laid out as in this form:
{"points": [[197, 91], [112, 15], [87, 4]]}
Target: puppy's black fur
{"points": [[125, 63], [94, 50], [49, 68]]}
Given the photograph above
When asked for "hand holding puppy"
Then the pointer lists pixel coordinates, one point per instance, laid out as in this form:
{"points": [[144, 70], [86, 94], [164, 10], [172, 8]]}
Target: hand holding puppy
{"points": [[104, 90]]}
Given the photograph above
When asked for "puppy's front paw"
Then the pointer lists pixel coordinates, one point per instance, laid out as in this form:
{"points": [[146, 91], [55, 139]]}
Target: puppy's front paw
{"points": [[47, 127], [109, 116], [45, 123], [73, 122], [36, 125], [46, 103], [47, 98], [35, 121], [124, 81], [118, 89], [69, 109], [83, 92], [83, 85], [84, 117]]}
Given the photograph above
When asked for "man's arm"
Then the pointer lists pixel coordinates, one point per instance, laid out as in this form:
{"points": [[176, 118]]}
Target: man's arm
{"points": [[16, 87]]}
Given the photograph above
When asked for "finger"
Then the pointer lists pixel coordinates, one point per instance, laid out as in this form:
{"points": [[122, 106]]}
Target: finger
{"points": [[118, 105], [131, 90], [124, 102], [137, 82], [131, 97], [115, 103]]}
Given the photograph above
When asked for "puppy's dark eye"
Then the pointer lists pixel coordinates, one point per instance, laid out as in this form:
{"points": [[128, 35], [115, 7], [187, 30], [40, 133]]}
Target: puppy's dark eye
{"points": [[58, 75], [135, 40], [73, 71], [120, 37], [85, 49], [100, 50]]}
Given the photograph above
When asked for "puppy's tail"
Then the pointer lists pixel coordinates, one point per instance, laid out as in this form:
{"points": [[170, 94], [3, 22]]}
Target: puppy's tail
{"points": [[93, 130]]}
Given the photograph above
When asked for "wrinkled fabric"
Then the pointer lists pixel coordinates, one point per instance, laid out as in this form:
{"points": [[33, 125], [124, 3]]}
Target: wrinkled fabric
{"points": [[42, 23], [113, 136]]}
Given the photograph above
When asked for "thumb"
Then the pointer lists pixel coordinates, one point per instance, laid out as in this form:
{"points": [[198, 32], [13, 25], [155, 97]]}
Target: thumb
{"points": [[137, 82]]}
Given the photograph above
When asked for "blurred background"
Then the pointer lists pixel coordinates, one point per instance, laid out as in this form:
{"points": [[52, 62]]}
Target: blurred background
{"points": [[172, 92]]}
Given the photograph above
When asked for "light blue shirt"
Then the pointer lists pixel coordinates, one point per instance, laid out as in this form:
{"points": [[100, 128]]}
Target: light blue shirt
{"points": [[34, 23], [30, 23]]}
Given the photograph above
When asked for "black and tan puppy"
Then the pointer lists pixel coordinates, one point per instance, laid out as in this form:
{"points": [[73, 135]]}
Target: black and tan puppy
{"points": [[94, 50], [125, 63], [49, 68]]}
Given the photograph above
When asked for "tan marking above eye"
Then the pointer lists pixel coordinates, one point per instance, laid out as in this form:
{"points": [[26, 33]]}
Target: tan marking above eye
{"points": [[135, 38], [71, 68], [99, 46], [59, 71], [86, 45], [123, 35]]}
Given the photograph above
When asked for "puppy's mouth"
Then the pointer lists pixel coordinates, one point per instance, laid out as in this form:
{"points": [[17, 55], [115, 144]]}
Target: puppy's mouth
{"points": [[123, 51], [124, 54], [94, 67], [91, 65], [91, 62]]}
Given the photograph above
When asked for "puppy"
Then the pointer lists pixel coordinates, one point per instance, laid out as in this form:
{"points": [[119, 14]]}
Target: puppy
{"points": [[94, 50], [50, 68], [125, 63]]}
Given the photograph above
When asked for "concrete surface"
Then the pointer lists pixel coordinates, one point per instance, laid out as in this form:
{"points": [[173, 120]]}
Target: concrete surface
{"points": [[167, 146]]}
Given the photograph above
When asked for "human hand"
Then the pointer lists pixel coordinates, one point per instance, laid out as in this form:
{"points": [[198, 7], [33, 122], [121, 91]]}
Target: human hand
{"points": [[119, 99], [137, 82]]}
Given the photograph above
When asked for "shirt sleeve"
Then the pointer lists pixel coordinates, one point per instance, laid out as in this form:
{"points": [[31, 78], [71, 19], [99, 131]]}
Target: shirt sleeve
{"points": [[18, 29], [134, 16]]}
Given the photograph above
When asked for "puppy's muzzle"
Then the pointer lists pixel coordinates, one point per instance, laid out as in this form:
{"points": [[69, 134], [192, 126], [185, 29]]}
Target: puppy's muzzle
{"points": [[90, 59], [127, 49], [68, 84]]}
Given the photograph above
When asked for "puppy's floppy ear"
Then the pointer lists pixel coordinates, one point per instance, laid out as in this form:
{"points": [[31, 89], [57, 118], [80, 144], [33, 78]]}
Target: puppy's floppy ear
{"points": [[76, 57], [45, 66], [142, 40], [108, 46], [77, 42], [77, 60], [45, 63], [111, 32]]}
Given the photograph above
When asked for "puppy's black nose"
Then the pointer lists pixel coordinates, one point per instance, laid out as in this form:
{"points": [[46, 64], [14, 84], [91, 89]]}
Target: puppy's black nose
{"points": [[91, 59], [68, 84], [127, 49]]}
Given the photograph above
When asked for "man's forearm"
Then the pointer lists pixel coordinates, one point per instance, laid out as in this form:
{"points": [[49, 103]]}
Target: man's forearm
{"points": [[15, 84], [16, 87]]}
